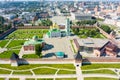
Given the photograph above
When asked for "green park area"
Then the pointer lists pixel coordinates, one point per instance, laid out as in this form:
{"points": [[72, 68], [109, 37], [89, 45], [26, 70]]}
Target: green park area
{"points": [[3, 43], [27, 33], [100, 68], [38, 69], [13, 46], [85, 33], [99, 78]]}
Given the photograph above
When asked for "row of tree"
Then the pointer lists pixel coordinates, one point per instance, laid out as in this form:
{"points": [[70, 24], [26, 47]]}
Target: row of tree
{"points": [[45, 22], [86, 22], [4, 27], [106, 28]]}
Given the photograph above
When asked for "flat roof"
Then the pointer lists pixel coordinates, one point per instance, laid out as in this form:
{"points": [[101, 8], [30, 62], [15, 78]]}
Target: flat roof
{"points": [[91, 42]]}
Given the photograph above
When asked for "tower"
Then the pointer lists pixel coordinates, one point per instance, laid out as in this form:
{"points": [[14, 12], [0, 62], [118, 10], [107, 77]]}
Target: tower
{"points": [[75, 3], [67, 27]]}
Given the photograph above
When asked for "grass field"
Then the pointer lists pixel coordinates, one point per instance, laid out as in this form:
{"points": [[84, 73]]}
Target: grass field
{"points": [[97, 78], [85, 33], [65, 79], [13, 78], [26, 67], [2, 79], [16, 43], [3, 43], [30, 56], [7, 54], [44, 71], [105, 71], [66, 72], [4, 71], [97, 66], [27, 33], [22, 72], [45, 79]]}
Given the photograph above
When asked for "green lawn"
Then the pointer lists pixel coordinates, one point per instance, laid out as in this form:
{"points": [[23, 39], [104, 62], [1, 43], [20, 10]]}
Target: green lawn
{"points": [[45, 71], [45, 79], [4, 71], [26, 67], [3, 43], [97, 66], [29, 79], [27, 33], [66, 72], [30, 56], [7, 54], [15, 43], [65, 79], [85, 33], [22, 72], [13, 78], [97, 78], [105, 71], [71, 41], [2, 79]]}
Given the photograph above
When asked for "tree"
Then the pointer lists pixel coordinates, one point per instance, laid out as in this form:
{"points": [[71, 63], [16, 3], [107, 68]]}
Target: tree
{"points": [[38, 49], [106, 28]]}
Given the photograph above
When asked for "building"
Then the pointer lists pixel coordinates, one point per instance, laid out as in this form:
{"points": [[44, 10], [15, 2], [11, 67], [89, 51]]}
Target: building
{"points": [[81, 16], [55, 31], [30, 44], [99, 47]]}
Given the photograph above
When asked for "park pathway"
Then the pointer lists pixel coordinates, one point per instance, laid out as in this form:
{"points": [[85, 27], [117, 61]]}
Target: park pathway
{"points": [[21, 52], [79, 73], [7, 43]]}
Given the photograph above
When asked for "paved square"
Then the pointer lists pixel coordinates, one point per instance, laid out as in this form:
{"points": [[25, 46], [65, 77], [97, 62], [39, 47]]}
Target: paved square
{"points": [[58, 44]]}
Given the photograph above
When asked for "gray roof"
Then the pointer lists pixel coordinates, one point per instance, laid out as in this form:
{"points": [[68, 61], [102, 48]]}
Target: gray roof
{"points": [[91, 42]]}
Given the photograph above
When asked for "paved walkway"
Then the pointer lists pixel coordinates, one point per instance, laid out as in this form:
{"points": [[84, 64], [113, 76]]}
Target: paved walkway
{"points": [[8, 43], [79, 73]]}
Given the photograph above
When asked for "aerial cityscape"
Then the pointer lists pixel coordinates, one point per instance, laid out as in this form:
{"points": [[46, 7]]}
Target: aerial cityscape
{"points": [[59, 40]]}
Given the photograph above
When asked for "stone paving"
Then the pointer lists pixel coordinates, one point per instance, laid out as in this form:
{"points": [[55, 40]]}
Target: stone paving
{"points": [[58, 44]]}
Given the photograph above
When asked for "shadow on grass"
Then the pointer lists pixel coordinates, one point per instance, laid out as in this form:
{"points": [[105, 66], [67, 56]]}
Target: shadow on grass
{"points": [[85, 62]]}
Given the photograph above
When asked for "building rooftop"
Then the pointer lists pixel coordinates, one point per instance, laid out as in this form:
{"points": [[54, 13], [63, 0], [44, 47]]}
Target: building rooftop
{"points": [[35, 40], [90, 42]]}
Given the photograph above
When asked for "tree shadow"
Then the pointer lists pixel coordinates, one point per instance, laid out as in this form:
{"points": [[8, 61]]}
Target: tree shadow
{"points": [[49, 55], [22, 62], [47, 47], [85, 62]]}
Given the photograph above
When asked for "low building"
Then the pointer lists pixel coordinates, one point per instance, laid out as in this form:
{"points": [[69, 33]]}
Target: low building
{"points": [[81, 16], [30, 45], [99, 47]]}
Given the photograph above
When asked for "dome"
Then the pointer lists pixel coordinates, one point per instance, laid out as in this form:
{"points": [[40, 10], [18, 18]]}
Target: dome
{"points": [[35, 38]]}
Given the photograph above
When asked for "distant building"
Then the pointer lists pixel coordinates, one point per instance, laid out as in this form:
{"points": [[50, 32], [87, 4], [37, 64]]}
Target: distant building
{"points": [[81, 16], [30, 45]]}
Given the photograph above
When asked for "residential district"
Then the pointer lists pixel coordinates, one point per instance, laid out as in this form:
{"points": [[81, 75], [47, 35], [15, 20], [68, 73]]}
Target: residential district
{"points": [[59, 40]]}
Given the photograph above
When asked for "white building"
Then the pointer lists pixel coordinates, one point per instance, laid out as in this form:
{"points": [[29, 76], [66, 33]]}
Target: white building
{"points": [[81, 16]]}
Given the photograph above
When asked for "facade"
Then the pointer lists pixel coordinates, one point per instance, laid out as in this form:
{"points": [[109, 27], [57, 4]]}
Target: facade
{"points": [[30, 45], [99, 47], [81, 16], [56, 32]]}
